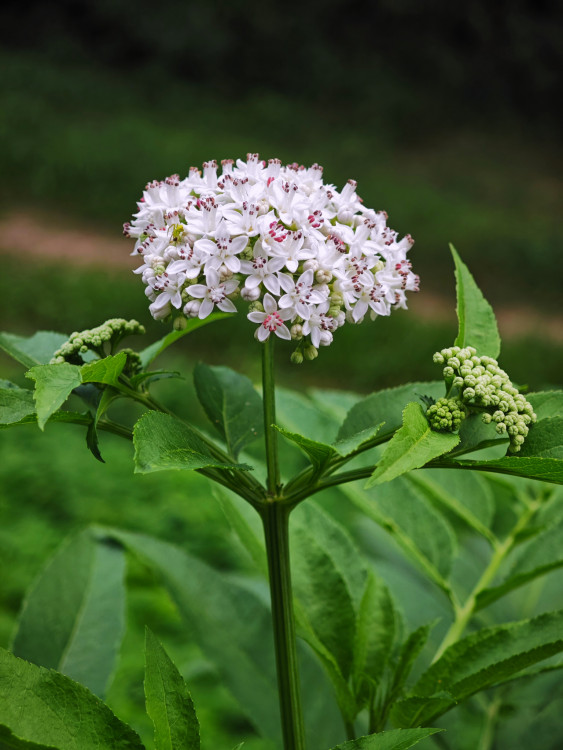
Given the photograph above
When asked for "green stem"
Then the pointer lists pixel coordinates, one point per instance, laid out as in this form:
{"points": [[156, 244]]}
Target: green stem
{"points": [[275, 518], [350, 731], [487, 738], [295, 497], [465, 612], [269, 399]]}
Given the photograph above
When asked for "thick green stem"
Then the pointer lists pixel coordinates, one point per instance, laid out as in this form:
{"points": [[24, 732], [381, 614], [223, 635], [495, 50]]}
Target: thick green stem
{"points": [[464, 612], [275, 518], [269, 399]]}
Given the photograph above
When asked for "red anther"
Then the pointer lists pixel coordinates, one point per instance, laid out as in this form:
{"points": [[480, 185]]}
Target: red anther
{"points": [[270, 180]]}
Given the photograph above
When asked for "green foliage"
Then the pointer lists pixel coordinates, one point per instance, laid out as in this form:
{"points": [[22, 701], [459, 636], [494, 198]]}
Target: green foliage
{"points": [[73, 617], [544, 469], [151, 352], [33, 350], [232, 405], [412, 446], [488, 657], [53, 384], [44, 707], [163, 442], [394, 739], [106, 370], [477, 322], [545, 439], [15, 403], [168, 701]]}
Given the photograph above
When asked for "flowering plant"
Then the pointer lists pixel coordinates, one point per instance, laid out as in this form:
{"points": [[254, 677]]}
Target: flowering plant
{"points": [[307, 259]]}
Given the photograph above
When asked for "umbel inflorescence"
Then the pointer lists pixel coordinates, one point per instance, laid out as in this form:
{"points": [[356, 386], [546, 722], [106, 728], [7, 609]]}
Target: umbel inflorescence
{"points": [[305, 256], [482, 387]]}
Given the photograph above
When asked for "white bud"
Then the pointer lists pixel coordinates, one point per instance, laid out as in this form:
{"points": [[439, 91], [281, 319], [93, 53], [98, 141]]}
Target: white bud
{"points": [[250, 295], [326, 338], [191, 308], [311, 265]]}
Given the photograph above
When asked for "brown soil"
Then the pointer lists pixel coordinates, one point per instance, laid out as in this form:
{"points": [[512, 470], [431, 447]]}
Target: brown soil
{"points": [[22, 233]]}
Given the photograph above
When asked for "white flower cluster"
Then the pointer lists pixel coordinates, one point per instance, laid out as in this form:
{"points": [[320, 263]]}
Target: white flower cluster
{"points": [[484, 385], [306, 256]]}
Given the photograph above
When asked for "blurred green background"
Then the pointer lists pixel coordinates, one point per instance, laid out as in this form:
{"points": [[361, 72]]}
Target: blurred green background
{"points": [[447, 115]]}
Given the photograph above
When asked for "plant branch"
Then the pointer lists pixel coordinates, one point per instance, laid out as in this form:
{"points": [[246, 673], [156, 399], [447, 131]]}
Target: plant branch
{"points": [[269, 400]]}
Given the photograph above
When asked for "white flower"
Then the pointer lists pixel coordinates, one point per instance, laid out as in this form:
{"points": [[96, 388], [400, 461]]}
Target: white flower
{"points": [[214, 292], [271, 320], [275, 235]]}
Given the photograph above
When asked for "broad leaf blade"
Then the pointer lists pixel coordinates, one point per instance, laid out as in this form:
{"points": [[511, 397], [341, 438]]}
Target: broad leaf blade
{"points": [[168, 700], [8, 741], [490, 657], [163, 442], [477, 322], [422, 532], [393, 739], [385, 407], [15, 404], [413, 446], [33, 350], [547, 403], [318, 453], [545, 439], [45, 707], [329, 580], [53, 385], [152, 352], [530, 467], [106, 370], [73, 617], [252, 541], [232, 405], [535, 558]]}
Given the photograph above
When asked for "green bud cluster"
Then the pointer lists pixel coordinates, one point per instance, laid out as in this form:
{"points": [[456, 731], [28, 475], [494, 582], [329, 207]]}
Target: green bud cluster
{"points": [[446, 415], [485, 387], [101, 340]]}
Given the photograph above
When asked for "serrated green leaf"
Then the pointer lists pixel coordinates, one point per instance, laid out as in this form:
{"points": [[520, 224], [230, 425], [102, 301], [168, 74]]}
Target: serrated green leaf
{"points": [[45, 707], [106, 370], [301, 415], [53, 385], [408, 654], [393, 739], [474, 435], [477, 322], [546, 403], [152, 352], [329, 579], [232, 405], [544, 469], [318, 453], [386, 408], [8, 741], [375, 636], [15, 404], [69, 417], [163, 442], [32, 350], [416, 526], [535, 558], [544, 440], [348, 445], [489, 657], [73, 617], [412, 446], [464, 493], [168, 700], [413, 710]]}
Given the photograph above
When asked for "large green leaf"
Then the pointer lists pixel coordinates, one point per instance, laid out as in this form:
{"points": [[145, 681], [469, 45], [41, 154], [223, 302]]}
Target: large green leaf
{"points": [[385, 407], [423, 533], [246, 525], [43, 706], [164, 442], [301, 415], [408, 654], [15, 403], [152, 352], [536, 557], [329, 579], [412, 446], [33, 350], [544, 440], [393, 739], [73, 617], [106, 370], [375, 635], [53, 385], [477, 322], [8, 741], [464, 493], [318, 453], [168, 700], [547, 403], [483, 659], [232, 405], [532, 467]]}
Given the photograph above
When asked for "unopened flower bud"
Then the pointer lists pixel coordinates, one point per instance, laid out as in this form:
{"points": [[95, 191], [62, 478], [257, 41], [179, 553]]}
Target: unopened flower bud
{"points": [[322, 276], [296, 331], [250, 295], [296, 357], [191, 308], [310, 352], [180, 322], [256, 306]]}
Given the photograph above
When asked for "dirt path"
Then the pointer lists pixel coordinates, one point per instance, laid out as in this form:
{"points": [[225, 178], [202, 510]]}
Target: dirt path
{"points": [[22, 233]]}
